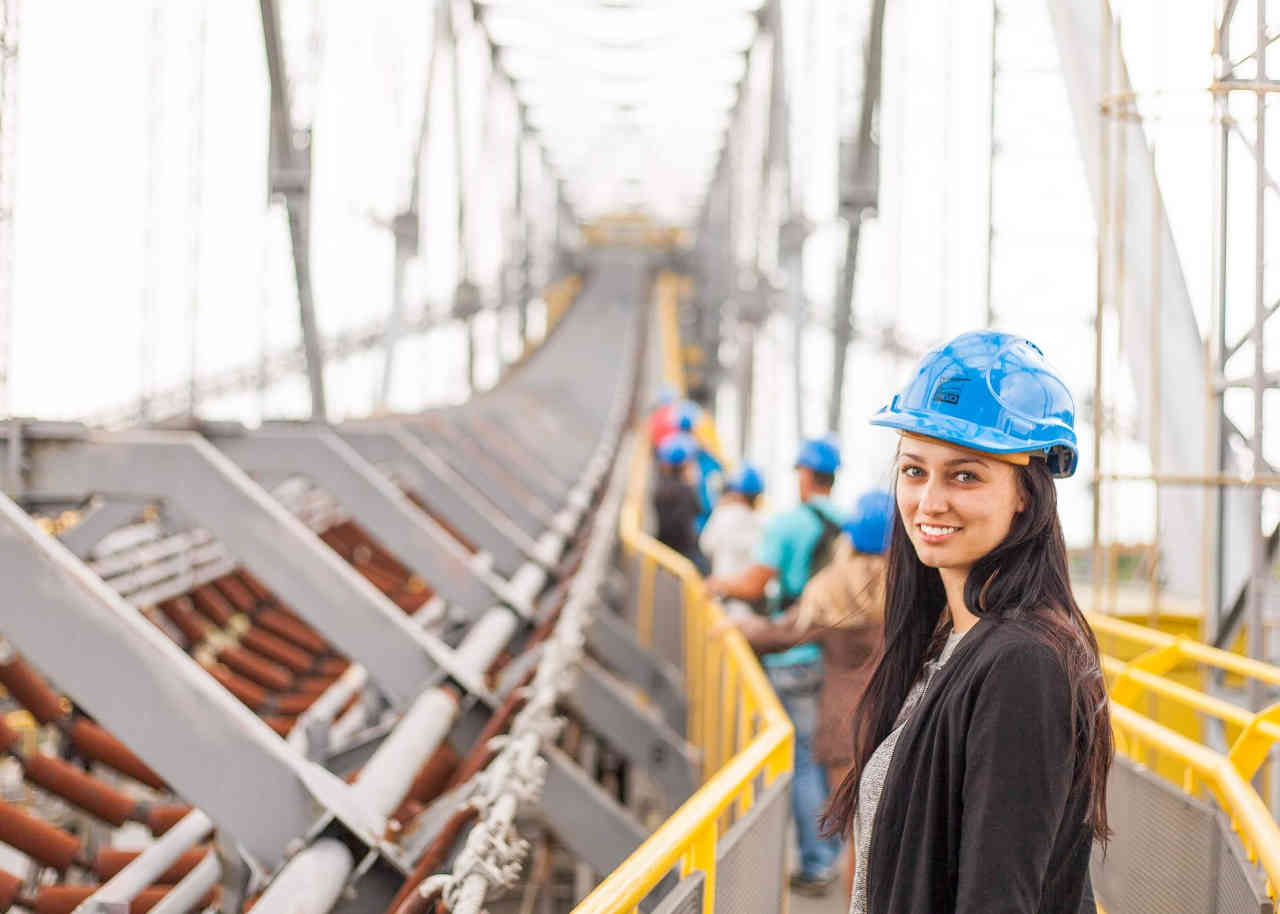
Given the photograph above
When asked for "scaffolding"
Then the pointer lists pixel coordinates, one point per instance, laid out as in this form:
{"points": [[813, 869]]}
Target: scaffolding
{"points": [[1204, 426]]}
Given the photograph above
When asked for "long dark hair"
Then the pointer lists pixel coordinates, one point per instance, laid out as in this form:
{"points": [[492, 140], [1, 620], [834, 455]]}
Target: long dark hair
{"points": [[1024, 578]]}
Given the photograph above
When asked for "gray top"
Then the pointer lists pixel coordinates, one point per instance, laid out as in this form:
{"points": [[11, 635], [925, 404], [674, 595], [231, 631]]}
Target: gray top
{"points": [[873, 775]]}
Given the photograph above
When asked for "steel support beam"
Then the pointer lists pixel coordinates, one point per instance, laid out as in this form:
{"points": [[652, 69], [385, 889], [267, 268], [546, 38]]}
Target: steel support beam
{"points": [[375, 504], [586, 820], [611, 640], [638, 733], [859, 193], [445, 492], [290, 177], [1181, 389], [294, 563], [199, 738]]}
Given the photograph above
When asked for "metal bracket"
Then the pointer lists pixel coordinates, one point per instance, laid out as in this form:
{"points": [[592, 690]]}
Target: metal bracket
{"points": [[637, 732]]}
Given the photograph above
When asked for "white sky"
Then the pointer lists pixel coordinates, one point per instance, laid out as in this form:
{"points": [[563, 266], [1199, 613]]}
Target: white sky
{"points": [[88, 162]]}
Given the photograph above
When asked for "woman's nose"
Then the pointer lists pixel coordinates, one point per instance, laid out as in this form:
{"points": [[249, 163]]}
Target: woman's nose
{"points": [[933, 499]]}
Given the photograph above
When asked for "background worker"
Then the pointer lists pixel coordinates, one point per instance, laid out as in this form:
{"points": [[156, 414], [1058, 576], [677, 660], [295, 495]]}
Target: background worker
{"points": [[841, 609], [733, 531], [795, 545], [675, 500]]}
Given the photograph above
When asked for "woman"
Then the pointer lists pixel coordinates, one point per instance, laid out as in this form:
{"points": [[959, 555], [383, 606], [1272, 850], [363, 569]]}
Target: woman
{"points": [[982, 744]]}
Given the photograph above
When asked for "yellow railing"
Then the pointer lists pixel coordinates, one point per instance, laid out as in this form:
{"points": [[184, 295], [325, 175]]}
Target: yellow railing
{"points": [[1145, 678], [1137, 736], [735, 719]]}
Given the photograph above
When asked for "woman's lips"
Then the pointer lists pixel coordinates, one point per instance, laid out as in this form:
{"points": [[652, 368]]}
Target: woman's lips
{"points": [[934, 534]]}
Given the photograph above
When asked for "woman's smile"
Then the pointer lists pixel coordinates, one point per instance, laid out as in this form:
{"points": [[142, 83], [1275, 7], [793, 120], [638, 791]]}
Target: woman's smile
{"points": [[936, 534]]}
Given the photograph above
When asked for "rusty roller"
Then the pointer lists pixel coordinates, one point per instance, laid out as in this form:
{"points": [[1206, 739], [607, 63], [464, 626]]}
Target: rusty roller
{"points": [[262, 671], [10, 889], [291, 629], [213, 605], [110, 861], [277, 649], [30, 690], [182, 614], [253, 696], [232, 589], [79, 789], [250, 583], [64, 899], [97, 744], [160, 818], [44, 843]]}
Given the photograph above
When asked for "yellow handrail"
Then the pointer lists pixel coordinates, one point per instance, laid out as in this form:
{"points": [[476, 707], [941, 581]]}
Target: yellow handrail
{"points": [[1145, 675], [1249, 816], [735, 718]]}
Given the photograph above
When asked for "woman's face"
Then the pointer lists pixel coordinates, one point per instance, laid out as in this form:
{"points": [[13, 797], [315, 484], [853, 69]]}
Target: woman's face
{"points": [[956, 505]]}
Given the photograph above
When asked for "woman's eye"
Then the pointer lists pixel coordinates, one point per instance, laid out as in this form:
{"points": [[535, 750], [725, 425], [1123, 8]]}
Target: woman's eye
{"points": [[966, 476], [912, 471]]}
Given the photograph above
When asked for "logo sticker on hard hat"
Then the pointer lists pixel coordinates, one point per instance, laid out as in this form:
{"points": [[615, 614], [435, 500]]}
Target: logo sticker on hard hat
{"points": [[949, 389]]}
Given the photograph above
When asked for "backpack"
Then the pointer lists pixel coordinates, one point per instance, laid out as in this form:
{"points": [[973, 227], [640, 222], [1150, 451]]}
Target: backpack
{"points": [[824, 549]]}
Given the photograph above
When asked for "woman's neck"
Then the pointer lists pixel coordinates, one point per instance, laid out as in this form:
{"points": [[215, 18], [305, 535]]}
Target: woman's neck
{"points": [[953, 582]]}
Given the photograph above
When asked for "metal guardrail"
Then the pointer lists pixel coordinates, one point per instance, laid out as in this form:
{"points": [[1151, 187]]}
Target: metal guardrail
{"points": [[1159, 654], [735, 718], [1226, 777]]}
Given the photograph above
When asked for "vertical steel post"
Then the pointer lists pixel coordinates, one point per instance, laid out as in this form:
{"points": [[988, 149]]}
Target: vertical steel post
{"points": [[1258, 577], [1101, 284], [9, 30], [989, 246], [291, 178], [195, 205], [859, 193]]}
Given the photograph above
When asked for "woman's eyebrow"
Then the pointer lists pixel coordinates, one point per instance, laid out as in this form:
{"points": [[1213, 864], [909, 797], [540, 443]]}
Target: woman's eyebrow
{"points": [[960, 460]]}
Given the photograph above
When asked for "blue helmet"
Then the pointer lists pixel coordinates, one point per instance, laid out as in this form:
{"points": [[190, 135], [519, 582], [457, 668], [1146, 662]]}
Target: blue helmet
{"points": [[746, 480], [686, 415], [870, 525], [666, 394], [820, 455], [991, 392], [676, 449]]}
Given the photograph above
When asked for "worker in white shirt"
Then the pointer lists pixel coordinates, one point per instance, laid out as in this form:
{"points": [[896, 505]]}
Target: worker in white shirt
{"points": [[732, 533]]}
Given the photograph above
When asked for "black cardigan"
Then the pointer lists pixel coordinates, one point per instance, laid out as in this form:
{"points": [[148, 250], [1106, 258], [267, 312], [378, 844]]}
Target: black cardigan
{"points": [[980, 812]]}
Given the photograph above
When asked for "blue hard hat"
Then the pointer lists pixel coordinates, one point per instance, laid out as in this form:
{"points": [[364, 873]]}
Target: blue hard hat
{"points": [[820, 455], [746, 480], [869, 527], [676, 449], [686, 415], [991, 392]]}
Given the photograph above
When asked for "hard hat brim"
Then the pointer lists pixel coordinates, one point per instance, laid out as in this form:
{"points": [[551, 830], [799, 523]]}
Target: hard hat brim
{"points": [[974, 437]]}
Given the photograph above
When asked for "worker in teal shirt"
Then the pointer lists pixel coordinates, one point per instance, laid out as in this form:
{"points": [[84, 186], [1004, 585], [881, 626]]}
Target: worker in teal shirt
{"points": [[791, 550]]}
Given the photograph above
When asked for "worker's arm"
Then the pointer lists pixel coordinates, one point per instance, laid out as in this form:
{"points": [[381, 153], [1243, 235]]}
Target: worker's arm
{"points": [[748, 586]]}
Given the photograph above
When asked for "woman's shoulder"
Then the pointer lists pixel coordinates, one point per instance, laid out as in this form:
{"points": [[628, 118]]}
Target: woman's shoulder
{"points": [[1021, 644], [1015, 658]]}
